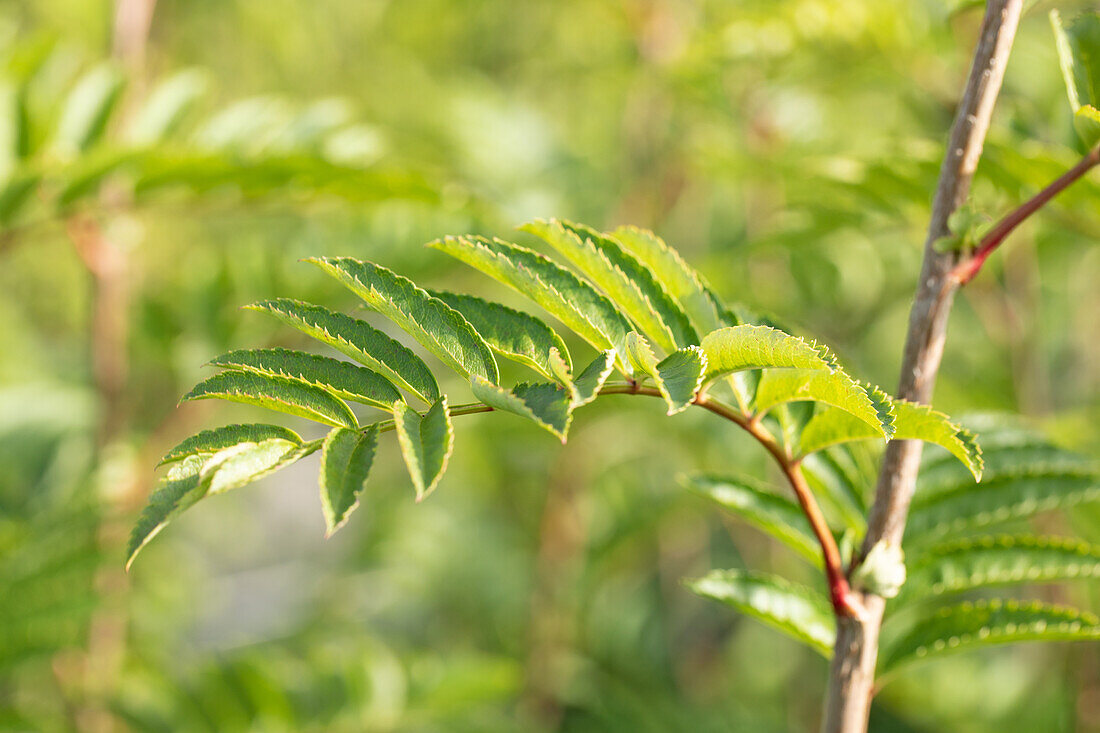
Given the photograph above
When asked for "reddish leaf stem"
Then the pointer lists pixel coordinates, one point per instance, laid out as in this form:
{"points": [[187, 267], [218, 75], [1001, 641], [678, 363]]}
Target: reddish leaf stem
{"points": [[843, 600], [965, 271]]}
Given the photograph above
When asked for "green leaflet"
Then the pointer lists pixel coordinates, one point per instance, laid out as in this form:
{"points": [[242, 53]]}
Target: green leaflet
{"points": [[198, 474], [586, 387], [978, 562], [872, 406], [910, 422], [999, 499], [345, 380], [241, 464], [629, 283], [832, 426], [681, 374], [1078, 45], [549, 405], [678, 277], [426, 443], [921, 422], [737, 348], [557, 290], [796, 610], [773, 515], [678, 376], [166, 106], [436, 326], [172, 496], [359, 340], [275, 393], [986, 623], [1008, 448], [214, 440], [346, 459], [511, 333], [87, 109], [15, 193]]}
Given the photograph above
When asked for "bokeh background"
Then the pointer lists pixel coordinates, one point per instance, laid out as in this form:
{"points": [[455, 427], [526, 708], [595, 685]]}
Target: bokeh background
{"points": [[788, 148]]}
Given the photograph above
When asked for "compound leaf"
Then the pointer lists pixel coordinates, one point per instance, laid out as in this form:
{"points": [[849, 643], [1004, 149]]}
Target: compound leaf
{"points": [[978, 562], [435, 325], [796, 610], [346, 459], [275, 393], [985, 623], [426, 443], [999, 499], [359, 340]]}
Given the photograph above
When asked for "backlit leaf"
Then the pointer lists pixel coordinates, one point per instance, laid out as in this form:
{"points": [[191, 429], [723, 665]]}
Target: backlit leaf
{"points": [[738, 348], [999, 499], [511, 333], [214, 440], [587, 384], [678, 376], [435, 325], [557, 290], [359, 340], [87, 109], [986, 623], [549, 405], [920, 422], [678, 277], [426, 443], [779, 517], [241, 464], [978, 562], [341, 378], [797, 611], [275, 393], [872, 406], [346, 459], [629, 283]]}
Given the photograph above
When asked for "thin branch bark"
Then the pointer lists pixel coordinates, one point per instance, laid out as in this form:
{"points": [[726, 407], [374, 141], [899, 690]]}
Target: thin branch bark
{"points": [[851, 681]]}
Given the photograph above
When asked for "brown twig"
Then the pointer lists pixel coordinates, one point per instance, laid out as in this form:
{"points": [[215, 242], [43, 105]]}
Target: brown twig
{"points": [[852, 673]]}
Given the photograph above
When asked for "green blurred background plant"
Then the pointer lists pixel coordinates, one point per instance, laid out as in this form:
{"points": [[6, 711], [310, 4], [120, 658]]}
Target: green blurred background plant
{"points": [[787, 148]]}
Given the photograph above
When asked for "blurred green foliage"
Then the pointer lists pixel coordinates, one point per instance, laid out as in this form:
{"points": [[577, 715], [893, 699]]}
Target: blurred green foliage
{"points": [[787, 147]]}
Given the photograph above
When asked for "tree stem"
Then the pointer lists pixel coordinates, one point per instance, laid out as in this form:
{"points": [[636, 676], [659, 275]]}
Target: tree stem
{"points": [[851, 682]]}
